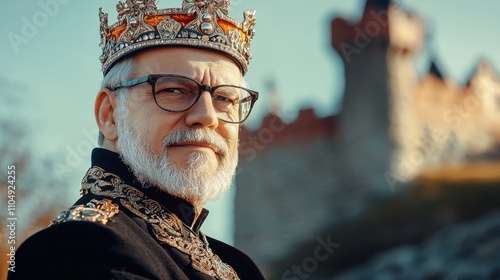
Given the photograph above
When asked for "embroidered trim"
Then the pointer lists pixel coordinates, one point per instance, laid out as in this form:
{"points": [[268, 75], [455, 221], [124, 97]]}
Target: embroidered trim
{"points": [[96, 211], [166, 227]]}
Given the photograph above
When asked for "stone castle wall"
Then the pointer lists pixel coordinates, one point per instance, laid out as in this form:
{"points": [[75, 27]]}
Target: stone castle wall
{"points": [[295, 179]]}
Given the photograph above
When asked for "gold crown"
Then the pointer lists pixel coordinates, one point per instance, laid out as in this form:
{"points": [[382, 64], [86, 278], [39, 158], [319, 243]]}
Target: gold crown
{"points": [[199, 23]]}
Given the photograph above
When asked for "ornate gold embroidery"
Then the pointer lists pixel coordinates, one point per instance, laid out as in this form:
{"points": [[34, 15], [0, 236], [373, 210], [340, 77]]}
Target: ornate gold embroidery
{"points": [[166, 227], [96, 211]]}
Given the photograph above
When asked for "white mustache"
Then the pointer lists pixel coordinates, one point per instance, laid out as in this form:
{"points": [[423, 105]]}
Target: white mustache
{"points": [[197, 135]]}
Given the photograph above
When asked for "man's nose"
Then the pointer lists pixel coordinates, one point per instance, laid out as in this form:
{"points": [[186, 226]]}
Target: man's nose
{"points": [[203, 112]]}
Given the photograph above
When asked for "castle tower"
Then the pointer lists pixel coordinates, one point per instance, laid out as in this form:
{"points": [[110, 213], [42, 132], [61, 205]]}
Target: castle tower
{"points": [[477, 111], [485, 85], [438, 122], [433, 139], [378, 53], [407, 39]]}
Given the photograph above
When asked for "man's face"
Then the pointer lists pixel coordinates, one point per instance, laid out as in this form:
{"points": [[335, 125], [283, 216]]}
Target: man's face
{"points": [[206, 155]]}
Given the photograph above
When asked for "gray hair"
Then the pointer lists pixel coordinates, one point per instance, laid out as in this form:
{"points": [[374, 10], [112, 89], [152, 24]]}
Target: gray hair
{"points": [[120, 73]]}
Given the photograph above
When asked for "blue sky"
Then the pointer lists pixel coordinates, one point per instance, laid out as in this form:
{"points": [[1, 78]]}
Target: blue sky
{"points": [[50, 61]]}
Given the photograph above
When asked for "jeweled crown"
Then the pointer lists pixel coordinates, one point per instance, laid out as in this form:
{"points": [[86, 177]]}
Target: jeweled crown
{"points": [[199, 23]]}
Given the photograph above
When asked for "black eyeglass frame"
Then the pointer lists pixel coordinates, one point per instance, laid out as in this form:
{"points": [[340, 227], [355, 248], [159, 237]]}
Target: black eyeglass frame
{"points": [[151, 79]]}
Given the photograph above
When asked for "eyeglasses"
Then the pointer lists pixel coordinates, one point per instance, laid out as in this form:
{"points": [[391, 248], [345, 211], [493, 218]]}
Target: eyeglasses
{"points": [[175, 93]]}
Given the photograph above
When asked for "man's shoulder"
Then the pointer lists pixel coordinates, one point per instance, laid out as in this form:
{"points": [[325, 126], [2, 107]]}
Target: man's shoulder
{"points": [[85, 250], [90, 223], [69, 238]]}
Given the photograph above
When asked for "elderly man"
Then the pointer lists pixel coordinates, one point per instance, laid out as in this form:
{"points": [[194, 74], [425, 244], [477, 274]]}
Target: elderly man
{"points": [[168, 112]]}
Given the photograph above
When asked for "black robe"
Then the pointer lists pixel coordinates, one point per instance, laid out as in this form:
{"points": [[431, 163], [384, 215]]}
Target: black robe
{"points": [[120, 230]]}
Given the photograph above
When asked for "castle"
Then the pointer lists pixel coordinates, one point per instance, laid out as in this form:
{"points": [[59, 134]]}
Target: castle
{"points": [[295, 179]]}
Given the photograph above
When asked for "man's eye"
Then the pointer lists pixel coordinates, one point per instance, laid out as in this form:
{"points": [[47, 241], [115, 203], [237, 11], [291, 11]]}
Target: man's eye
{"points": [[173, 91], [221, 98]]}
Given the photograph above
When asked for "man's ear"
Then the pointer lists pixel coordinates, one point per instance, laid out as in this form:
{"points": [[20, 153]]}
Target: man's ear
{"points": [[105, 105]]}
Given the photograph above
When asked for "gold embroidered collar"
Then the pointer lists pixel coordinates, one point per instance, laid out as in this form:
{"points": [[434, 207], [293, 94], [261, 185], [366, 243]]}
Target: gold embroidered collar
{"points": [[167, 228]]}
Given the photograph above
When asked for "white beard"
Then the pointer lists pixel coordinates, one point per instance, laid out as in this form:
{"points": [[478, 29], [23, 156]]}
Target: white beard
{"points": [[194, 183]]}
